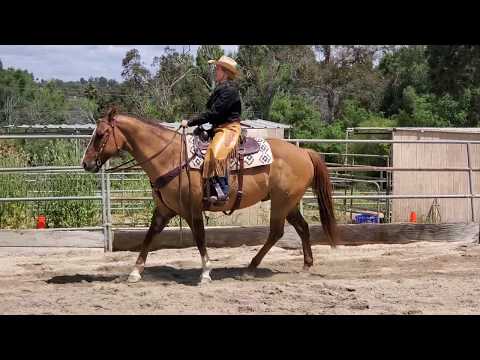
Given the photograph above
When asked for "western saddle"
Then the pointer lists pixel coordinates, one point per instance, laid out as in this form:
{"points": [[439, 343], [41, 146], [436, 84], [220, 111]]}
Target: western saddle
{"points": [[202, 139], [247, 146]]}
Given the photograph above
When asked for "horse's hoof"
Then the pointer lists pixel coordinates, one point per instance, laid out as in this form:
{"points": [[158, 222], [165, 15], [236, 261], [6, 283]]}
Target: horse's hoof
{"points": [[248, 274], [134, 277], [306, 268], [205, 279]]}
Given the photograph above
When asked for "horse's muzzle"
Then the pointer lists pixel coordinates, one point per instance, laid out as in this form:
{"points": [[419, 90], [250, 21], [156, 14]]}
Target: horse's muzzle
{"points": [[90, 166]]}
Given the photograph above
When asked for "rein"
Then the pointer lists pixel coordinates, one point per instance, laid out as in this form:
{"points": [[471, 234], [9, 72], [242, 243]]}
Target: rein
{"points": [[183, 151], [119, 167]]}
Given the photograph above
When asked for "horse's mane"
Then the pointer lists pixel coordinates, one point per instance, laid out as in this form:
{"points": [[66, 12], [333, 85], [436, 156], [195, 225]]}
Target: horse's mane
{"points": [[113, 111], [148, 121]]}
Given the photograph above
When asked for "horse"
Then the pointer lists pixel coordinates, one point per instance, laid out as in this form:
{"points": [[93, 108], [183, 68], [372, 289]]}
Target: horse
{"points": [[283, 182]]}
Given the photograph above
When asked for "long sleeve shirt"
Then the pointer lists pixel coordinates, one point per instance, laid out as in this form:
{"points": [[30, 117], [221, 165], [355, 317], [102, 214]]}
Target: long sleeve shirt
{"points": [[223, 106]]}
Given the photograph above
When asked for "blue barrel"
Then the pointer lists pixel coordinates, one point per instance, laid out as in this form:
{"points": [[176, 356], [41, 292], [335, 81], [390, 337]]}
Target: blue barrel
{"points": [[367, 219]]}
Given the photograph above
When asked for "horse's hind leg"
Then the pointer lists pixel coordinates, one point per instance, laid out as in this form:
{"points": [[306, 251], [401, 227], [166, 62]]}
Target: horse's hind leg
{"points": [[159, 221], [301, 227], [281, 205], [276, 232]]}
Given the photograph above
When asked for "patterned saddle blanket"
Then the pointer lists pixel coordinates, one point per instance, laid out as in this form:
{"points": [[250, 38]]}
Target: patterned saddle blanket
{"points": [[256, 152]]}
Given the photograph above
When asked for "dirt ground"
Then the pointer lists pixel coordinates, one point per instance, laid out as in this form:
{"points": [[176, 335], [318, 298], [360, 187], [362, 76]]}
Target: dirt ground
{"points": [[419, 278]]}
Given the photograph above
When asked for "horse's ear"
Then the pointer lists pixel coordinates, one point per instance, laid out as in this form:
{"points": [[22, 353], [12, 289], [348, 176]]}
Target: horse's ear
{"points": [[111, 113]]}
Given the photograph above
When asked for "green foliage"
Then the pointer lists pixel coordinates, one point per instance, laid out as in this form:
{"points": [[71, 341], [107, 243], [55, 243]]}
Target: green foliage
{"points": [[354, 115], [319, 90], [13, 215], [296, 111], [48, 105], [71, 213], [204, 69], [419, 110], [173, 90], [445, 80], [406, 67], [58, 213], [453, 68], [267, 70], [16, 90]]}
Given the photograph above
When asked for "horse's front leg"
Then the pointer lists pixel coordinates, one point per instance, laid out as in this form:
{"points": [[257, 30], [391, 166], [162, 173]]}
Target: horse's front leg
{"points": [[198, 232], [159, 221]]}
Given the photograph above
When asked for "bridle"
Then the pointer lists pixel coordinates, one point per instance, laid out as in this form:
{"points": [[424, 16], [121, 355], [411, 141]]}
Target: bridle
{"points": [[100, 163]]}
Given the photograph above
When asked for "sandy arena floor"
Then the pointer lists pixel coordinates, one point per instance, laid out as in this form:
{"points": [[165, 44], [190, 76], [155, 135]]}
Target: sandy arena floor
{"points": [[420, 278]]}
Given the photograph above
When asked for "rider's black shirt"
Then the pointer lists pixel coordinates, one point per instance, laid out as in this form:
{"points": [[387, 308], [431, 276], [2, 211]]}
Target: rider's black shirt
{"points": [[223, 106]]}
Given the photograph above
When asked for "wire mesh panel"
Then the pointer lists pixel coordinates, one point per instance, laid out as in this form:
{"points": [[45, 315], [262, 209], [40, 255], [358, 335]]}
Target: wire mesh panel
{"points": [[68, 196]]}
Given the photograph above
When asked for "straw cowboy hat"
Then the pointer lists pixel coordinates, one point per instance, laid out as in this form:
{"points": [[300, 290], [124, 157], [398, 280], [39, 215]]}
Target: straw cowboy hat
{"points": [[227, 63]]}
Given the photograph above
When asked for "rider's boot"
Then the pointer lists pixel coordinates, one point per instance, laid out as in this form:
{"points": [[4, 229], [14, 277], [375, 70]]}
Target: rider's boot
{"points": [[220, 186], [223, 181]]}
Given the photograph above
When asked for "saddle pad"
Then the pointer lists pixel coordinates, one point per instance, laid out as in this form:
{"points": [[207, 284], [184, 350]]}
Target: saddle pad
{"points": [[262, 157]]}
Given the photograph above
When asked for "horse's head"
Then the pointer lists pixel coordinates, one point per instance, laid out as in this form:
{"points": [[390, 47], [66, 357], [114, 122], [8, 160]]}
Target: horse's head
{"points": [[106, 141]]}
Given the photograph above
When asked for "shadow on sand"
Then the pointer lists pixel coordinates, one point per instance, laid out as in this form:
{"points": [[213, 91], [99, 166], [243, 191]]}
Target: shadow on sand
{"points": [[191, 276], [168, 274], [78, 278]]}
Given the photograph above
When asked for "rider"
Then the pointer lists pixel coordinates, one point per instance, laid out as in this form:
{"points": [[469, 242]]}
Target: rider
{"points": [[223, 112]]}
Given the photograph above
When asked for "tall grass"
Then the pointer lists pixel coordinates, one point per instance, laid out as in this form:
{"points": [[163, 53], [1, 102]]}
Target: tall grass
{"points": [[59, 213], [13, 215]]}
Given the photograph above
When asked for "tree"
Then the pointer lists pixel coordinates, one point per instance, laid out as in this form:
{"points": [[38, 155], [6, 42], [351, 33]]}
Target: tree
{"points": [[103, 93], [408, 66], [49, 106], [174, 89], [453, 68], [296, 111], [134, 72], [346, 72], [204, 70], [170, 89], [419, 110], [17, 88], [266, 70]]}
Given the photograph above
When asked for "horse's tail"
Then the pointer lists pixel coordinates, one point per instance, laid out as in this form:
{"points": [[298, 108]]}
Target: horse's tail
{"points": [[322, 188]]}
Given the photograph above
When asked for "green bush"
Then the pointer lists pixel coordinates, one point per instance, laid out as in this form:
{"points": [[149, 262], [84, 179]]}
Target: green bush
{"points": [[419, 111], [61, 213], [13, 215]]}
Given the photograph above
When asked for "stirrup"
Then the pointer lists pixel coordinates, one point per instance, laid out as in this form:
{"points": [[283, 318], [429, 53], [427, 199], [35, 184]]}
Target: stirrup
{"points": [[220, 197]]}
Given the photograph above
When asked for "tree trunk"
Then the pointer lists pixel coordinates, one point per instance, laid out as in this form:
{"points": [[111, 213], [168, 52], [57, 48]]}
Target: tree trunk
{"points": [[327, 53], [331, 106]]}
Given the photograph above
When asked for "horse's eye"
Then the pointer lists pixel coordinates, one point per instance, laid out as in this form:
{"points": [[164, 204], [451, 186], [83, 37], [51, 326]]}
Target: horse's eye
{"points": [[99, 135]]}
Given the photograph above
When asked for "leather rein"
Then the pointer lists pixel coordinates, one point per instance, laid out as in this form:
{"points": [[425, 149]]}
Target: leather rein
{"points": [[120, 167], [171, 174], [166, 178]]}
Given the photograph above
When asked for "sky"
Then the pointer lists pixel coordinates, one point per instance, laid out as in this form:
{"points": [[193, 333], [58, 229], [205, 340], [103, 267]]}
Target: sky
{"points": [[72, 62]]}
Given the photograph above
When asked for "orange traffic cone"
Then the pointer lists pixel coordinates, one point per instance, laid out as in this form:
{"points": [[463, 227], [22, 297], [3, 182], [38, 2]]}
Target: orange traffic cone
{"points": [[413, 217], [41, 222]]}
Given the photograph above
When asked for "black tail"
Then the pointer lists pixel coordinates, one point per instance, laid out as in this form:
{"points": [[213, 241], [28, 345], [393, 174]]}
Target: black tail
{"points": [[322, 188]]}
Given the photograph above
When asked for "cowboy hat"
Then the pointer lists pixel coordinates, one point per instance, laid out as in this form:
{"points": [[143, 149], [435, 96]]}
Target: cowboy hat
{"points": [[227, 63]]}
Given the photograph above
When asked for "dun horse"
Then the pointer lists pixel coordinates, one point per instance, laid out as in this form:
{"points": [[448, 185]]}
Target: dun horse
{"points": [[284, 182]]}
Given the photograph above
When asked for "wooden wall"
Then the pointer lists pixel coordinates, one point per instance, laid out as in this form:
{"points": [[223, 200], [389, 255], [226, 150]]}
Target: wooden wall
{"points": [[444, 182], [234, 236], [266, 133]]}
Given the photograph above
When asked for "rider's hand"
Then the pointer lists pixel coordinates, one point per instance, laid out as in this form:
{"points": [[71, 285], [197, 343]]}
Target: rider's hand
{"points": [[184, 123]]}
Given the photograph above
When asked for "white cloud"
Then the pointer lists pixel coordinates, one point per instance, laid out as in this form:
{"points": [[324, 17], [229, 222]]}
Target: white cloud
{"points": [[71, 62]]}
